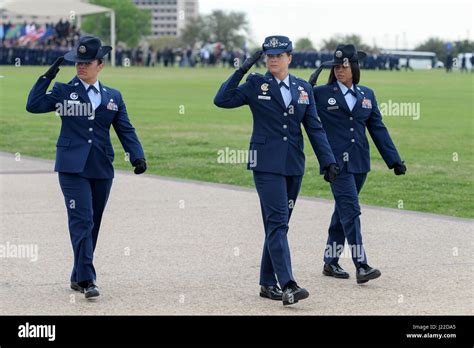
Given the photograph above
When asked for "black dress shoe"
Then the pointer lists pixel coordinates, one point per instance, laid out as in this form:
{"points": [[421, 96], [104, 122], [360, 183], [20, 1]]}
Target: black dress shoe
{"points": [[293, 293], [366, 273], [91, 291], [76, 287], [335, 271], [272, 292]]}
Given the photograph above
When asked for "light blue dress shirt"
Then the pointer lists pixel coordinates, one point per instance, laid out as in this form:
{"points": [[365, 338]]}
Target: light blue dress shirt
{"points": [[350, 99], [95, 97]]}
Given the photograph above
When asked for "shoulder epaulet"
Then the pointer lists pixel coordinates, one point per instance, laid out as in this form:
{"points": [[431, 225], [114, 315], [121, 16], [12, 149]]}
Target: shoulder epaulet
{"points": [[110, 89], [300, 79], [303, 81], [364, 89], [253, 75]]}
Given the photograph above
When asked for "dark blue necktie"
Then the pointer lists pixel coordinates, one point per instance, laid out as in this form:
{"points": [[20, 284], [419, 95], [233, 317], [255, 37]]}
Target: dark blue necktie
{"points": [[92, 87], [351, 92], [282, 84]]}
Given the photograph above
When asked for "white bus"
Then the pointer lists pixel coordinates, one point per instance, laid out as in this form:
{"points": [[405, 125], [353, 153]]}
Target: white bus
{"points": [[418, 59]]}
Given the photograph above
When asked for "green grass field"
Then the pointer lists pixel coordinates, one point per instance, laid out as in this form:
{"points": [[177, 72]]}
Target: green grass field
{"points": [[185, 145]]}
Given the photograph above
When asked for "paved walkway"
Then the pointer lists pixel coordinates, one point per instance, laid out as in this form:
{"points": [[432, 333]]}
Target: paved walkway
{"points": [[170, 246]]}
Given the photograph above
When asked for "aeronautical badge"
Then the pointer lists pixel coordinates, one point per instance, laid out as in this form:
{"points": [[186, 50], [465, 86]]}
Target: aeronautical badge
{"points": [[82, 49], [73, 96], [338, 54], [304, 98], [331, 101], [264, 87], [366, 103]]}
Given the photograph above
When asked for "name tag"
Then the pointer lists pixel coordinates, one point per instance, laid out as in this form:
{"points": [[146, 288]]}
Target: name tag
{"points": [[335, 107], [73, 102], [264, 97]]}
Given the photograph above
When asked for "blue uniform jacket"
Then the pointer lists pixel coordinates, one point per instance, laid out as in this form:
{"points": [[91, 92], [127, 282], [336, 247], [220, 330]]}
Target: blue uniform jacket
{"points": [[83, 145], [346, 129], [277, 138]]}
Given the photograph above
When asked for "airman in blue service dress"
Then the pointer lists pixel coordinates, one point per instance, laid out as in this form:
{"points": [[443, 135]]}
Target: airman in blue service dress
{"points": [[84, 152], [346, 110], [279, 107]]}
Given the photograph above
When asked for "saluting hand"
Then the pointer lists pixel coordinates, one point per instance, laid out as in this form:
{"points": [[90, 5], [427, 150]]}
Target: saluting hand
{"points": [[140, 166], [314, 76], [54, 69], [251, 61], [330, 172], [399, 168]]}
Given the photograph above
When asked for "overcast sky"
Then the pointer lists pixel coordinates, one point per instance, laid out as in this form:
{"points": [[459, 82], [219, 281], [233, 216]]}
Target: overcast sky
{"points": [[390, 24]]}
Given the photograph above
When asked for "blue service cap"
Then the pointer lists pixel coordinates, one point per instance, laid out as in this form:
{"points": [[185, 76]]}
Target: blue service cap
{"points": [[277, 44], [87, 49], [345, 52]]}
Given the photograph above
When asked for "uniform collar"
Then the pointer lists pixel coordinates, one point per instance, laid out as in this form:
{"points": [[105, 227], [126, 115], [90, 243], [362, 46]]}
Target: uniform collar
{"points": [[343, 87], [275, 90], [286, 80], [86, 85]]}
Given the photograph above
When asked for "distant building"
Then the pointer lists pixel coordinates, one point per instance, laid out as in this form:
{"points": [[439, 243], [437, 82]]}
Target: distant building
{"points": [[169, 17]]}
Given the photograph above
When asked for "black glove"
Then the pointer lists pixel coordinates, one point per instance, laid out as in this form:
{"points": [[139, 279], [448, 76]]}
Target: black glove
{"points": [[314, 76], [140, 166], [251, 61], [399, 168], [330, 172], [54, 69]]}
